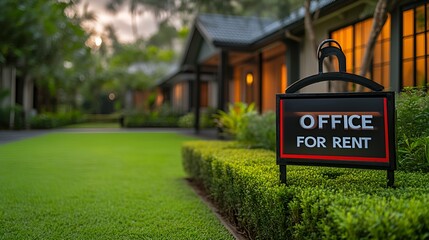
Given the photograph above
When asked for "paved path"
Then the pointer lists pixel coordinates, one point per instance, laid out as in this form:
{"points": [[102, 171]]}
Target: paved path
{"points": [[7, 136]]}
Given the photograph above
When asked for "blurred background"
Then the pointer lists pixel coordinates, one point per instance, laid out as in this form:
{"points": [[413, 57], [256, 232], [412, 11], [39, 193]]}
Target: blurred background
{"points": [[68, 61]]}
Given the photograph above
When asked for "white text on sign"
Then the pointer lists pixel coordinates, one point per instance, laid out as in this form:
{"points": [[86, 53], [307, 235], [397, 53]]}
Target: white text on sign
{"points": [[335, 121]]}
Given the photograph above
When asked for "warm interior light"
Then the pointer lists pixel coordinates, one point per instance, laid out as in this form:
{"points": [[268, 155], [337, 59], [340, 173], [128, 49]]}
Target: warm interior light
{"points": [[112, 96], [249, 78]]}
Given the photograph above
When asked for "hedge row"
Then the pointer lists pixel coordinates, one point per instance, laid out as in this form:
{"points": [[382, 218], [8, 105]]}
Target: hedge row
{"points": [[55, 120], [316, 203]]}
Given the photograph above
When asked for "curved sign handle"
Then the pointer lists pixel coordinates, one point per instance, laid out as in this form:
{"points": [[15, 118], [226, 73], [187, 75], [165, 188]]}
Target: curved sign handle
{"points": [[342, 75]]}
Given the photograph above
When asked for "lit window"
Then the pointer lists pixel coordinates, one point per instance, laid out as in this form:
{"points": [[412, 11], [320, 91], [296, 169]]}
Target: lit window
{"points": [[415, 46], [353, 40]]}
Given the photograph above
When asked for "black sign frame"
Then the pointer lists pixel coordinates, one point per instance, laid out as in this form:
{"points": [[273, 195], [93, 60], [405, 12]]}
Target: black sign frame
{"points": [[389, 117], [388, 163]]}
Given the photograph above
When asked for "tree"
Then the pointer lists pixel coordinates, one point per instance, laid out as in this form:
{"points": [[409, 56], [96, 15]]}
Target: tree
{"points": [[160, 8], [379, 19], [37, 38], [165, 35], [309, 29]]}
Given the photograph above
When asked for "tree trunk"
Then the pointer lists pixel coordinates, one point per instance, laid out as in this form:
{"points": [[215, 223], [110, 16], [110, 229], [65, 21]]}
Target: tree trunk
{"points": [[27, 101], [8, 82], [380, 17], [309, 29]]}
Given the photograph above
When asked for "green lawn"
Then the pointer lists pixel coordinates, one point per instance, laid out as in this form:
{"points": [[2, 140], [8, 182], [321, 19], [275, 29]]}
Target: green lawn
{"points": [[94, 125], [100, 186]]}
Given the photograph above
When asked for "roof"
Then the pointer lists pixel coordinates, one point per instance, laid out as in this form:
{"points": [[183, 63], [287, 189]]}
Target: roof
{"points": [[239, 31], [245, 33], [231, 30]]}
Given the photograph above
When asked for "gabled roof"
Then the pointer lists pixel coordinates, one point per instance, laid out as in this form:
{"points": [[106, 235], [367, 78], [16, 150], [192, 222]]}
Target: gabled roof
{"points": [[231, 31], [247, 33], [239, 31]]}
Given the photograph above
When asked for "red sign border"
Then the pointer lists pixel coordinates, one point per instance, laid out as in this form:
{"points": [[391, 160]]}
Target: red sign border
{"points": [[351, 159]]}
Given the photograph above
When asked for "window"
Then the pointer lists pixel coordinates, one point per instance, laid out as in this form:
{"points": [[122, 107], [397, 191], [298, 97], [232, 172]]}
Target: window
{"points": [[274, 81], [353, 40], [415, 46]]}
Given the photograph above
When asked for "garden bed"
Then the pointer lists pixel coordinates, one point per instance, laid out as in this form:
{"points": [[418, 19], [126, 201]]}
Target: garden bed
{"points": [[316, 203]]}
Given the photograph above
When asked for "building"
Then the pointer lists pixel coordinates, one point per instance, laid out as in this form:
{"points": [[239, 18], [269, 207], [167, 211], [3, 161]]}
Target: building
{"points": [[231, 58]]}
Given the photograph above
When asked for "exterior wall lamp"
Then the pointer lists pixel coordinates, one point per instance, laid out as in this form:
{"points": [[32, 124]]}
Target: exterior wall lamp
{"points": [[249, 78]]}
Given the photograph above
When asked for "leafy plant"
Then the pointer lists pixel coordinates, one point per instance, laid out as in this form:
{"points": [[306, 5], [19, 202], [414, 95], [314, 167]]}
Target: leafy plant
{"points": [[412, 107], [414, 154], [187, 120], [232, 121], [260, 130], [412, 129], [206, 119]]}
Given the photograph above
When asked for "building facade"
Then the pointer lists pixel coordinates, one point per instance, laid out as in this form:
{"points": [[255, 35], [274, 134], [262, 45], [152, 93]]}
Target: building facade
{"points": [[245, 59]]}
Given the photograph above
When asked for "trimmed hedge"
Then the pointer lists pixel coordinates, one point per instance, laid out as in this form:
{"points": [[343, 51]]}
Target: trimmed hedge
{"points": [[150, 120], [55, 120], [316, 203]]}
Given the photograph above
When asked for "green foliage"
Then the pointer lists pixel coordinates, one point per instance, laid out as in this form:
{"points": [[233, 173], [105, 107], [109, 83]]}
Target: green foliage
{"points": [[412, 107], [164, 117], [183, 32], [54, 120], [316, 202], [414, 154], [165, 36], [187, 120], [412, 130], [206, 119], [19, 122], [232, 121], [136, 52], [40, 40], [260, 130]]}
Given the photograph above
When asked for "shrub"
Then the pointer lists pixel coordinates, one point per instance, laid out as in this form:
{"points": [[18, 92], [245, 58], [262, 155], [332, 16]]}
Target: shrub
{"points": [[316, 203], [414, 154], [260, 130], [187, 120], [412, 130], [54, 120], [231, 122], [412, 107], [144, 119], [163, 117], [206, 120]]}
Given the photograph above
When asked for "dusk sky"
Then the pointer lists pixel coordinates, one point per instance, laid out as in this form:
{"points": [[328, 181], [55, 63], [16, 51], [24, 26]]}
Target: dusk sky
{"points": [[121, 20]]}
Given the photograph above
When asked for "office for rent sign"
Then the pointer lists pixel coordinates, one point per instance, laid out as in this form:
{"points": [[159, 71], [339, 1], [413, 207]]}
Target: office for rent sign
{"points": [[342, 130]]}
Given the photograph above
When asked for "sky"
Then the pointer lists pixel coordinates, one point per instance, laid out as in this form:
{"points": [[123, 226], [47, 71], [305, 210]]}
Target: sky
{"points": [[121, 20]]}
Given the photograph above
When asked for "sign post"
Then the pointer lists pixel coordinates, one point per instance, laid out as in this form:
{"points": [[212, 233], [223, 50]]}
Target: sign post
{"points": [[353, 130]]}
